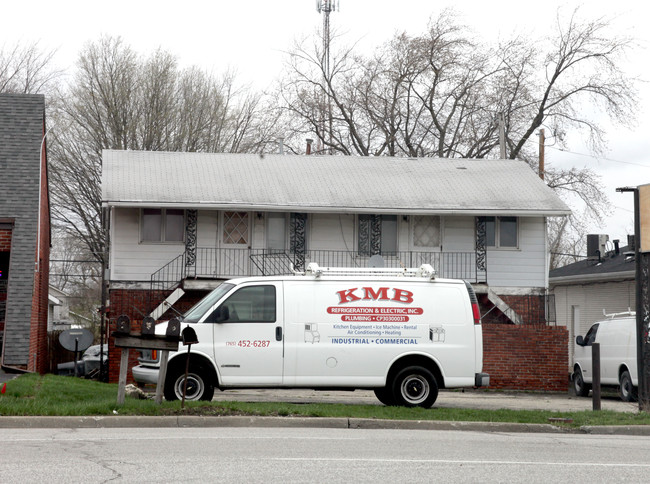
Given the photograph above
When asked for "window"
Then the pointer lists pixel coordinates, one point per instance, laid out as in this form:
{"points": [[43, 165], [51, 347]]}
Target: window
{"points": [[235, 228], [501, 232], [251, 304], [276, 231], [426, 231], [162, 225], [377, 234]]}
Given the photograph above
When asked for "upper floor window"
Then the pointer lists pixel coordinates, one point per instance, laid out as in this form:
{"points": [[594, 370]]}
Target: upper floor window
{"points": [[377, 234], [276, 231], [284, 231], [426, 231], [236, 228], [162, 225], [502, 232]]}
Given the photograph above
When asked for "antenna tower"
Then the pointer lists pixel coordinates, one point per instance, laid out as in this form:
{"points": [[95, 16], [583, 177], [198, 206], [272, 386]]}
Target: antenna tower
{"points": [[325, 7]]}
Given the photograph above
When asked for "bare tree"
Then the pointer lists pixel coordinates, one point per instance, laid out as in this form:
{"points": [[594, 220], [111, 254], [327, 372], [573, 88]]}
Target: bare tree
{"points": [[119, 100], [442, 93], [27, 69]]}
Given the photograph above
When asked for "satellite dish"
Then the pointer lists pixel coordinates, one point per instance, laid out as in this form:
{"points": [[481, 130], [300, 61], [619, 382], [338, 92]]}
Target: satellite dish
{"points": [[76, 339], [376, 261]]}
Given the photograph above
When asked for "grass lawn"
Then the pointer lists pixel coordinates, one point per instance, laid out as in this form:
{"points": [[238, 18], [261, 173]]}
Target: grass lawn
{"points": [[52, 395]]}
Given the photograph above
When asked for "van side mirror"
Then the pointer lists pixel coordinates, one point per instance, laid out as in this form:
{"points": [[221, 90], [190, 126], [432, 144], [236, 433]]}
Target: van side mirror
{"points": [[580, 341]]}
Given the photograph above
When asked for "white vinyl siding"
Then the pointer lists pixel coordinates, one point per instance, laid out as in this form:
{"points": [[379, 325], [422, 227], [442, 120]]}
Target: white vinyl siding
{"points": [[524, 267], [130, 260], [520, 268]]}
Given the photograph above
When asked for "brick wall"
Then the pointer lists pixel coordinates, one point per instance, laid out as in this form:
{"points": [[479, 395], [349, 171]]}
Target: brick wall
{"points": [[526, 357], [5, 240]]}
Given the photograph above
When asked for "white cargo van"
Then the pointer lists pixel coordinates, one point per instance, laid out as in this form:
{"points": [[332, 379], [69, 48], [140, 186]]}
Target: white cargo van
{"points": [[618, 363], [402, 333]]}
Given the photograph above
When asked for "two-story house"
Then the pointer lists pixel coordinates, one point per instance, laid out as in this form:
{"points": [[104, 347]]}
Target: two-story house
{"points": [[180, 223]]}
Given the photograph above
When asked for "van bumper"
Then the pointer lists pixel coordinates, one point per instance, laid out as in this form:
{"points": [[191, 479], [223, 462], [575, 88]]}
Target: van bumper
{"points": [[481, 380], [145, 374]]}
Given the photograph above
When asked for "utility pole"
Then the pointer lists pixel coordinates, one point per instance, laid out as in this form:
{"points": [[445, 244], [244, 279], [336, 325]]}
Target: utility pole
{"points": [[325, 7], [542, 140], [642, 278], [502, 136]]}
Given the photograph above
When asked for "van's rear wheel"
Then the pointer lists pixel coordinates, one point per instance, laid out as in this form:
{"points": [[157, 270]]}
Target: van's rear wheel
{"points": [[198, 385], [385, 396], [579, 386], [627, 390], [415, 386]]}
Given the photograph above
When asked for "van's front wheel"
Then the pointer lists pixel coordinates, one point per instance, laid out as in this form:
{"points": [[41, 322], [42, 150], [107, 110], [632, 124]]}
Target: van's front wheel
{"points": [[579, 386], [627, 390], [198, 386], [415, 386]]}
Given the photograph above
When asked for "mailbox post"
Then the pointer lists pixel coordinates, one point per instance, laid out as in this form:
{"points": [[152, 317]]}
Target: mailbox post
{"points": [[126, 340], [189, 338]]}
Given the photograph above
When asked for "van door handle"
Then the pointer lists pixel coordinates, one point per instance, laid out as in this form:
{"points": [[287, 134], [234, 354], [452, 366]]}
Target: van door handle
{"points": [[278, 333]]}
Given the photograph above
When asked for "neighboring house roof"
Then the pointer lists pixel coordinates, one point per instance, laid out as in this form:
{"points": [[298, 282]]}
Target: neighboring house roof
{"points": [[325, 184], [612, 267]]}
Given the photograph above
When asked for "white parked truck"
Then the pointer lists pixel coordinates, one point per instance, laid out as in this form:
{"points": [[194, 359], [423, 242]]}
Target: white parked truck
{"points": [[402, 333]]}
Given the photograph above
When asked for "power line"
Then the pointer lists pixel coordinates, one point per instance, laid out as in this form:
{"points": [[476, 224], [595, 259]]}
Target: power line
{"points": [[598, 157]]}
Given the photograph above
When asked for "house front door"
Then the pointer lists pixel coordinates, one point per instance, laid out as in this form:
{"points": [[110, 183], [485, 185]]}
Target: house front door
{"points": [[234, 244]]}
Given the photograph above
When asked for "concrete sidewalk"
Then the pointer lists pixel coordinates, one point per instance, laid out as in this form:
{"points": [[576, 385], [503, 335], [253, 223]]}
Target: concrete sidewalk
{"points": [[478, 399]]}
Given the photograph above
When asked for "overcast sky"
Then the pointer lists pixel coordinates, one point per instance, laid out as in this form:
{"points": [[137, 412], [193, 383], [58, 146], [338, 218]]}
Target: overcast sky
{"points": [[252, 36]]}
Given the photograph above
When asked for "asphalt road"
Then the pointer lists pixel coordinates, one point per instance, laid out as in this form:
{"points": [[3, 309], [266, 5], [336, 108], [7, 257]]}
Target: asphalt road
{"points": [[316, 455]]}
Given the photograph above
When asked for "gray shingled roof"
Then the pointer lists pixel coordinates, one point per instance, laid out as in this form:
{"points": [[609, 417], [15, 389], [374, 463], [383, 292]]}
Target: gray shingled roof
{"points": [[611, 267], [326, 184]]}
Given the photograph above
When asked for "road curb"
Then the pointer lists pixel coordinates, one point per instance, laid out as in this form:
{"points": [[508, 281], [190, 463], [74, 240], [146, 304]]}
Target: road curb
{"points": [[196, 421], [642, 430], [447, 425]]}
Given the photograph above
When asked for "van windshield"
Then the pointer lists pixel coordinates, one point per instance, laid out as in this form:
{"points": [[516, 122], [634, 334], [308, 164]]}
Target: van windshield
{"points": [[590, 337], [199, 309]]}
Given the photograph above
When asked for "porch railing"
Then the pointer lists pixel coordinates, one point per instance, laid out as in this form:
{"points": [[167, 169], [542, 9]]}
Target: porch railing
{"points": [[213, 263]]}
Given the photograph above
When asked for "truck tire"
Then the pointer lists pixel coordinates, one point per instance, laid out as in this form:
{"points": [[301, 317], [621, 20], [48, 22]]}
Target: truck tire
{"points": [[415, 386], [385, 396], [198, 385], [579, 386], [627, 390]]}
